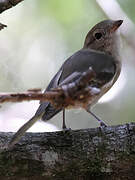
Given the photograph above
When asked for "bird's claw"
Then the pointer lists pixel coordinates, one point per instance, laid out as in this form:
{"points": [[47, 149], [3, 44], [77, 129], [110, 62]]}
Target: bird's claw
{"points": [[102, 124]]}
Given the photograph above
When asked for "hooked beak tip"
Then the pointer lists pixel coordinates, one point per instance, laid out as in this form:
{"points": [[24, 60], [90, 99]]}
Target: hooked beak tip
{"points": [[116, 25], [119, 22]]}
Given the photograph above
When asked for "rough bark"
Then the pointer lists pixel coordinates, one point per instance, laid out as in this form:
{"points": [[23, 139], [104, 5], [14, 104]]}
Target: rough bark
{"points": [[107, 153], [70, 94]]}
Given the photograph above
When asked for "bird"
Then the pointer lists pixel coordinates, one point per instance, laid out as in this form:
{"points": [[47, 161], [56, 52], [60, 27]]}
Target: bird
{"points": [[99, 52]]}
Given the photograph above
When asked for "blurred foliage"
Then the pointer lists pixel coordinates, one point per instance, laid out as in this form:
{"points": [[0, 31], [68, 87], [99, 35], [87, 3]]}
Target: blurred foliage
{"points": [[129, 8], [73, 16], [71, 12]]}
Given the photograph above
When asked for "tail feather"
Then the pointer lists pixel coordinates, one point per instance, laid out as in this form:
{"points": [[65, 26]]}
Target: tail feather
{"points": [[45, 112], [50, 112], [22, 130]]}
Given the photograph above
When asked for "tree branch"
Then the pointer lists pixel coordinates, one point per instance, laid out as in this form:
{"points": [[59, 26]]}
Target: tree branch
{"points": [[107, 153], [75, 93], [2, 26], [6, 4]]}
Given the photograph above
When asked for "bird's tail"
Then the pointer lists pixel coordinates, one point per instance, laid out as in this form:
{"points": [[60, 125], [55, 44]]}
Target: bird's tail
{"points": [[23, 129], [45, 112]]}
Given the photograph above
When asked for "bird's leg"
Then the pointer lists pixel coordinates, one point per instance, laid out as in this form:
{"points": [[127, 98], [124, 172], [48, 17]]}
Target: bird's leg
{"points": [[64, 127], [64, 123], [102, 123]]}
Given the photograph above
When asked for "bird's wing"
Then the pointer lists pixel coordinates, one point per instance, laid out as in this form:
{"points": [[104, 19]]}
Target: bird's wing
{"points": [[103, 65], [73, 67], [46, 106]]}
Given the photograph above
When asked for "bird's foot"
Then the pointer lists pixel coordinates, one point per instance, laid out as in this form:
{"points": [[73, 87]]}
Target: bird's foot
{"points": [[102, 124], [65, 129]]}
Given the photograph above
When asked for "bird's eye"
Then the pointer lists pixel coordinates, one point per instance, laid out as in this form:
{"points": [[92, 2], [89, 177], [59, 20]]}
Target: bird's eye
{"points": [[98, 36]]}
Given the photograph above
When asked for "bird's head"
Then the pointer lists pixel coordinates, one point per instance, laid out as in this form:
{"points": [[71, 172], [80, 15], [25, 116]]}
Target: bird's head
{"points": [[103, 36]]}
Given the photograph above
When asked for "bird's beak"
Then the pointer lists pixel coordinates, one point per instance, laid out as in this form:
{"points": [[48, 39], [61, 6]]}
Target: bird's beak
{"points": [[115, 25]]}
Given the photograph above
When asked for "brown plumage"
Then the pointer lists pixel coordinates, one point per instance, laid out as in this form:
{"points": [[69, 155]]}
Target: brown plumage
{"points": [[101, 53]]}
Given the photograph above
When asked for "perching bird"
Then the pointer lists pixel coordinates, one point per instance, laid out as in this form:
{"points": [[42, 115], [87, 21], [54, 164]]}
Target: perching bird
{"points": [[101, 53]]}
